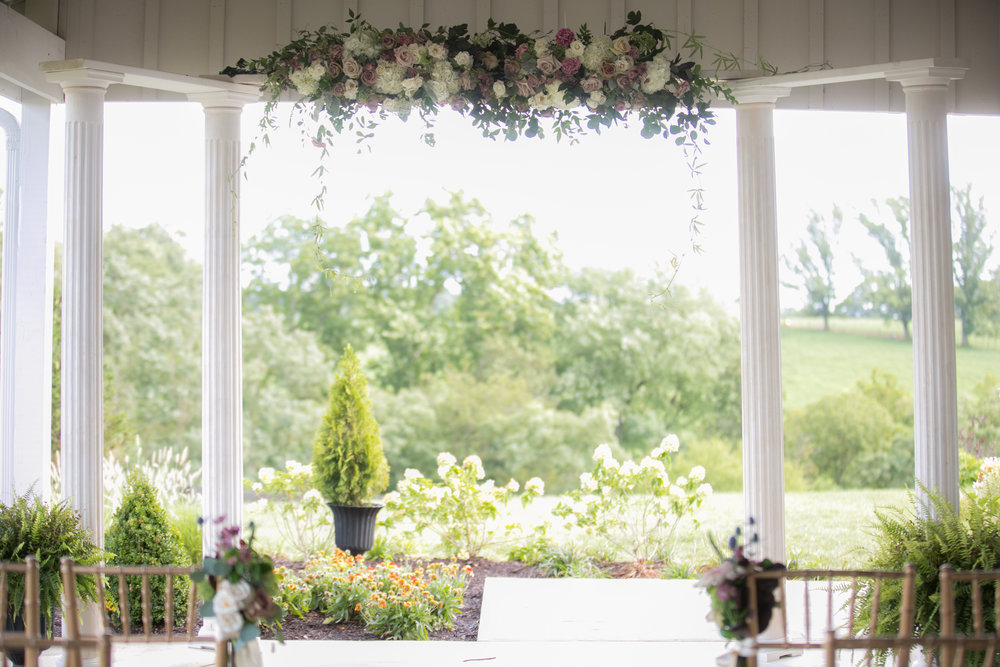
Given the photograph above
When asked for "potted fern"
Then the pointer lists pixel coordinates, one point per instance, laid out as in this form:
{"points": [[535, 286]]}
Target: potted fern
{"points": [[348, 463], [49, 532]]}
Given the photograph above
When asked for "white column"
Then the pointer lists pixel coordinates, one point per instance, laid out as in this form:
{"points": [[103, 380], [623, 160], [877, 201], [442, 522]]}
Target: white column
{"points": [[935, 409], [28, 410], [760, 339], [8, 305], [222, 360], [82, 298]]}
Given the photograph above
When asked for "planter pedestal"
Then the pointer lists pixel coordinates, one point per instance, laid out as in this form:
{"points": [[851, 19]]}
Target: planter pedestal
{"points": [[354, 526]]}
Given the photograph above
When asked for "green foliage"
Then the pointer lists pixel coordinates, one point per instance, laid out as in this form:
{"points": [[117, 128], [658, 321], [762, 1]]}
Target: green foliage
{"points": [[49, 532], [813, 264], [871, 449], [295, 508], [141, 534], [184, 518], [929, 537], [726, 457], [968, 469], [979, 418], [971, 252], [555, 559], [348, 462]]}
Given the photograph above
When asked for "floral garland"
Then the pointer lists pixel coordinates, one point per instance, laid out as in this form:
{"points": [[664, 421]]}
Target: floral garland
{"points": [[506, 81]]}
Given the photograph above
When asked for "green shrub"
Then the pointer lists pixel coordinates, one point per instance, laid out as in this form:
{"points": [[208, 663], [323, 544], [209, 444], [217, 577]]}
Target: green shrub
{"points": [[968, 540], [979, 418], [141, 534], [726, 469], [348, 462], [184, 518]]}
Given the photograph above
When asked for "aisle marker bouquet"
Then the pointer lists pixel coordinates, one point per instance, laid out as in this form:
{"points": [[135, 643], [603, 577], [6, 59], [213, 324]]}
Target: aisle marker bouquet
{"points": [[238, 587]]}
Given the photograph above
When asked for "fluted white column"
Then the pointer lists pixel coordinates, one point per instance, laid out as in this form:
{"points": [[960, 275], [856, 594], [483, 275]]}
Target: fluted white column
{"points": [[222, 359], [8, 305], [935, 410], [760, 335]]}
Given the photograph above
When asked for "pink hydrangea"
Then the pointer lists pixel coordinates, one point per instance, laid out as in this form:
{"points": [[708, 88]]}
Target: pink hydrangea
{"points": [[565, 37]]}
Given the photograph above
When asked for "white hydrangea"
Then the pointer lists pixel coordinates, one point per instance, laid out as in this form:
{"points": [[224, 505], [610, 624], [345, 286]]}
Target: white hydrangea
{"points": [[603, 452], [412, 473], [361, 43], [682, 481], [388, 78], [665, 479], [306, 80], [411, 85], [596, 52], [297, 468], [487, 486], [313, 495], [535, 485], [705, 490], [587, 482], [266, 475], [677, 492], [629, 468], [540, 100], [541, 48], [649, 463], [558, 97], [697, 474], [438, 493], [257, 487], [391, 497], [446, 459], [513, 486], [669, 445], [476, 464]]}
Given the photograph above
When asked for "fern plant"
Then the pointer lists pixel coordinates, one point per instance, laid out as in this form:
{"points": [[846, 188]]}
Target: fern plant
{"points": [[49, 532], [348, 462], [968, 539], [141, 534]]}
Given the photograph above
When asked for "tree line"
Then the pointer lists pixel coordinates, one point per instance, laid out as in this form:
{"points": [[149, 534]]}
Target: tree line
{"points": [[885, 292]]}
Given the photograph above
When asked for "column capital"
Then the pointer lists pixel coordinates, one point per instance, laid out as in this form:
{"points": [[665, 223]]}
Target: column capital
{"points": [[76, 74], [936, 73], [224, 98], [759, 94]]}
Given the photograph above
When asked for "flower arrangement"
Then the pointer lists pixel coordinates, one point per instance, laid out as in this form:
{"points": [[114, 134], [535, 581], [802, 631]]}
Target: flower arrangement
{"points": [[238, 587], [462, 510], [505, 80], [634, 508], [727, 585], [391, 600]]}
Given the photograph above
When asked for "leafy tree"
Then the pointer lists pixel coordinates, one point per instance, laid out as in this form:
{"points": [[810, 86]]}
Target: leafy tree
{"points": [[971, 253], [887, 292], [659, 364], [813, 264]]}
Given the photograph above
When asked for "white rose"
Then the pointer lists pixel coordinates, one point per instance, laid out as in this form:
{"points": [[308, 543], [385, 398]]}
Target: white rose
{"points": [[317, 69], [351, 68], [596, 99], [541, 48], [228, 626], [412, 85], [351, 89], [621, 46], [499, 89], [223, 602], [575, 49], [437, 51], [623, 65], [463, 59], [241, 592]]}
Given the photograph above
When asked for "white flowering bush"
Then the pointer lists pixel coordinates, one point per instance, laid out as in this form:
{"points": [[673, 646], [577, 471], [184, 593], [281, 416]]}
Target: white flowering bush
{"points": [[988, 483], [294, 507], [633, 509], [466, 513]]}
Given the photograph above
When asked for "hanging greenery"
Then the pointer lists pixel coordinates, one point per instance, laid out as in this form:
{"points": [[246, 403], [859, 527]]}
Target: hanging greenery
{"points": [[511, 84]]}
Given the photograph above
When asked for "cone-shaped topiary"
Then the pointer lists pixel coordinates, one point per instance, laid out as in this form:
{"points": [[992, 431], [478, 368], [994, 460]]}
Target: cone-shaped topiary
{"points": [[141, 534], [348, 463]]}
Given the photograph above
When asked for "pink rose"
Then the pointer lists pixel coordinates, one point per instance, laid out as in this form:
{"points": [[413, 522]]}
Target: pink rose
{"points": [[534, 81], [388, 41], [404, 57], [570, 66], [338, 89], [683, 87], [334, 70], [368, 77], [524, 89], [548, 65], [607, 69], [565, 37], [352, 68], [490, 60], [624, 82], [591, 83], [521, 50]]}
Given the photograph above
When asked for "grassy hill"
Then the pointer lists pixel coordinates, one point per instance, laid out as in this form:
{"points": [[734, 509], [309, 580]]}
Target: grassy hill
{"points": [[815, 363]]}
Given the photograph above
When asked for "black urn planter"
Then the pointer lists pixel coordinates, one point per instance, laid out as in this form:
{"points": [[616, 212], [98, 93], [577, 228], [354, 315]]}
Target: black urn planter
{"points": [[354, 526], [16, 655]]}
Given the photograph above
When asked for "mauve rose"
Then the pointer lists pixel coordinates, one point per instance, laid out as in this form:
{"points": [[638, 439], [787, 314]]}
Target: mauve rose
{"points": [[335, 52], [607, 69], [260, 606], [570, 66], [373, 103], [352, 68], [338, 89], [534, 81], [422, 37], [465, 81], [404, 56], [485, 90], [334, 70], [388, 41], [404, 39], [458, 103], [370, 66], [624, 82], [620, 105], [368, 77], [524, 89], [511, 68], [591, 83], [521, 50], [565, 37], [621, 46], [634, 52], [548, 65], [490, 60], [683, 87]]}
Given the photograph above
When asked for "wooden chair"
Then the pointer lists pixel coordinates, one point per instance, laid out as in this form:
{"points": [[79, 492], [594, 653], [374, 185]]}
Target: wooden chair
{"points": [[953, 647], [830, 598], [119, 574], [30, 639]]}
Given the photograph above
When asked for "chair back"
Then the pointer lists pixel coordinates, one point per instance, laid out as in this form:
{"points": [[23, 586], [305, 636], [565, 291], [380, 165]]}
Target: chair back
{"points": [[955, 649], [822, 606]]}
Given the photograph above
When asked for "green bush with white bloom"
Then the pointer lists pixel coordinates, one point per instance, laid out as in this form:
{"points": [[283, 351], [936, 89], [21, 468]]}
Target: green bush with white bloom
{"points": [[466, 514], [633, 509], [295, 508]]}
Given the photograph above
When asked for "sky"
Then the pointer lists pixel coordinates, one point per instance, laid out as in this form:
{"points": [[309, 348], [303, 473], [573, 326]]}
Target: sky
{"points": [[614, 201]]}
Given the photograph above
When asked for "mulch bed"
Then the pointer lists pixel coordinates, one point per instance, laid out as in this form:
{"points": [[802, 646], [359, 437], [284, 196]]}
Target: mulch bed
{"points": [[466, 626]]}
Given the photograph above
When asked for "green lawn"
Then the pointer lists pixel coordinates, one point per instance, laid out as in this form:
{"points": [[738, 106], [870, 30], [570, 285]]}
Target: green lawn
{"points": [[815, 363]]}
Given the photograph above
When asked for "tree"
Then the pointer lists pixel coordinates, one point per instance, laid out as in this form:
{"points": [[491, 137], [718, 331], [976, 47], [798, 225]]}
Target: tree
{"points": [[971, 252], [814, 264], [659, 364], [887, 292]]}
